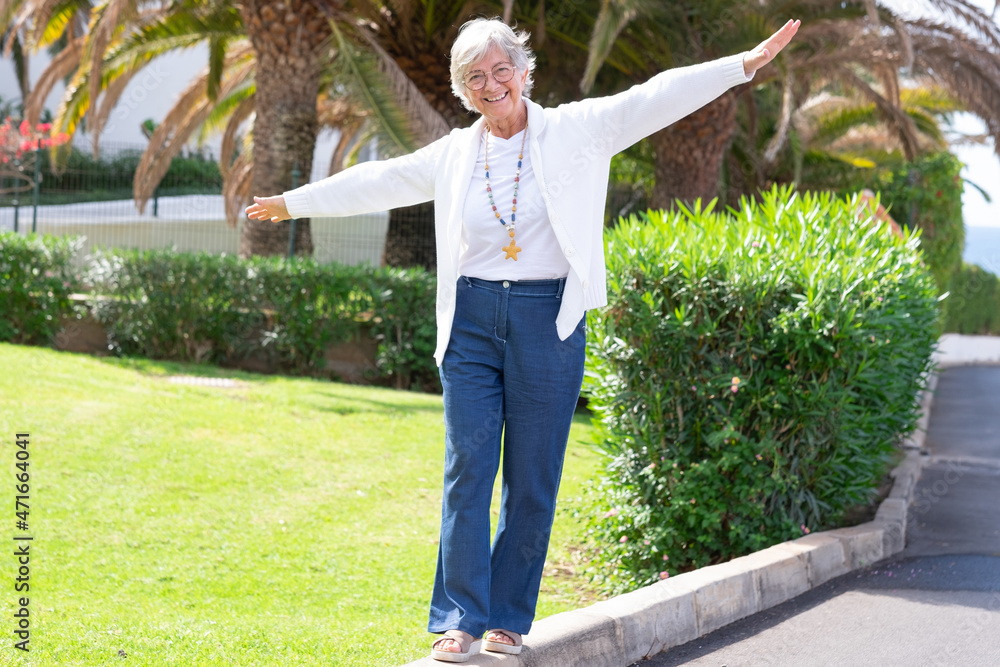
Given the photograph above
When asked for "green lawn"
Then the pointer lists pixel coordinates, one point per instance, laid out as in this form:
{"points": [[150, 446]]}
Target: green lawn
{"points": [[284, 522]]}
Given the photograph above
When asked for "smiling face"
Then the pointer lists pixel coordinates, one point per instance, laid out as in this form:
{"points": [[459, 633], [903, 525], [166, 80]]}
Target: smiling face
{"points": [[500, 103]]}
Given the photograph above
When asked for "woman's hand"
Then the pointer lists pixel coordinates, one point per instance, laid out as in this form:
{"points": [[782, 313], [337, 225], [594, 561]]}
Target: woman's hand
{"points": [[769, 48], [268, 208]]}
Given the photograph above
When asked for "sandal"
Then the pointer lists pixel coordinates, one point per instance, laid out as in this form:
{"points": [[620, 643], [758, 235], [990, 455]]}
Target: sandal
{"points": [[466, 645], [500, 647]]}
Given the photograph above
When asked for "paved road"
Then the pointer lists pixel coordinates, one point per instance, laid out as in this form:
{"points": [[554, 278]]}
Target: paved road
{"points": [[937, 602]]}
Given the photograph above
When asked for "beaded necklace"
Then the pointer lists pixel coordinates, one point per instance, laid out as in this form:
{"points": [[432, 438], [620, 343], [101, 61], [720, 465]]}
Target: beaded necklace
{"points": [[512, 249]]}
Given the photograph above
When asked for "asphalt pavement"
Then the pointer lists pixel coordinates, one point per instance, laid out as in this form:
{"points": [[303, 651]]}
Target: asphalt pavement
{"points": [[935, 603]]}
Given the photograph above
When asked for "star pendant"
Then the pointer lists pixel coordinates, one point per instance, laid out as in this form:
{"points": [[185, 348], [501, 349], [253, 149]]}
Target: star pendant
{"points": [[511, 251]]}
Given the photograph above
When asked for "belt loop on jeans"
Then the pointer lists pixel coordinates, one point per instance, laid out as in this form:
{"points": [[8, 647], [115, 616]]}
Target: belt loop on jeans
{"points": [[558, 284]]}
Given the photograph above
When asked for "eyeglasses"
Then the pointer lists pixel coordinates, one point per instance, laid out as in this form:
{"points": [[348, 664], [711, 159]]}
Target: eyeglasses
{"points": [[502, 73]]}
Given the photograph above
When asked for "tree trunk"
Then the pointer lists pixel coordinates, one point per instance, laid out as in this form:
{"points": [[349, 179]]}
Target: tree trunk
{"points": [[431, 74], [689, 154], [410, 238], [288, 38]]}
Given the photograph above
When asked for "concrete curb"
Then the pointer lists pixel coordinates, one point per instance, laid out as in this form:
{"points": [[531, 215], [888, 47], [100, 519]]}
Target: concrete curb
{"points": [[628, 628]]}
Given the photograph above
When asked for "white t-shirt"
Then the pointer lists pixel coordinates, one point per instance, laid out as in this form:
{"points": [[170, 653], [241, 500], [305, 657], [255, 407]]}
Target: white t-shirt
{"points": [[483, 237]]}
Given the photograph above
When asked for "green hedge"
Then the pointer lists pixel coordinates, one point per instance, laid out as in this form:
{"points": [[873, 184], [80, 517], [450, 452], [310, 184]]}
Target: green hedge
{"points": [[927, 194], [221, 309], [203, 307], [36, 281], [85, 178], [751, 376], [974, 302]]}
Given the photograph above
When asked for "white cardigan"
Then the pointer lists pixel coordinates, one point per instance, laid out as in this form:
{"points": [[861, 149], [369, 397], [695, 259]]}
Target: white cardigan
{"points": [[571, 147]]}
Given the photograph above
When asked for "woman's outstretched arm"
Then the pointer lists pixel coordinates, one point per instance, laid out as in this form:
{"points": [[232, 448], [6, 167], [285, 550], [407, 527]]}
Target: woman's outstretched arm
{"points": [[268, 208], [769, 48]]}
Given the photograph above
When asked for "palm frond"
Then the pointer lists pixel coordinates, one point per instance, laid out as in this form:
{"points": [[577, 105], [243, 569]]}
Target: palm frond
{"points": [[425, 122], [219, 118], [188, 113], [8, 10], [855, 160], [366, 134], [928, 126], [54, 24], [58, 69], [349, 133], [106, 24], [14, 16], [112, 93], [237, 186], [384, 92], [612, 18], [332, 112], [238, 115], [123, 59], [216, 59], [892, 114], [169, 32], [968, 71], [404, 18], [837, 123], [972, 19], [905, 40], [931, 98], [74, 103], [508, 10], [784, 119], [20, 68], [871, 8]]}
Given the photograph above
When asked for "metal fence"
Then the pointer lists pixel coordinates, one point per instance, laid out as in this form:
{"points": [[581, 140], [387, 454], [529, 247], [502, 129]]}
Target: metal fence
{"points": [[191, 223], [92, 199]]}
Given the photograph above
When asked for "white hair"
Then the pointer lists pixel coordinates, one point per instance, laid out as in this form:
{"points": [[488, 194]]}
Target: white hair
{"points": [[475, 39]]}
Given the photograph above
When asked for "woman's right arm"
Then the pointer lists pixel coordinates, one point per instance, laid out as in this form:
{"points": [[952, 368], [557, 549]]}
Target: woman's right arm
{"points": [[368, 187], [268, 208]]}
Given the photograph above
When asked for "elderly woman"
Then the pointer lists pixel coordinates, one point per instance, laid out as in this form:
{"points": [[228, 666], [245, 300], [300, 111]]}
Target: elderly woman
{"points": [[519, 212]]}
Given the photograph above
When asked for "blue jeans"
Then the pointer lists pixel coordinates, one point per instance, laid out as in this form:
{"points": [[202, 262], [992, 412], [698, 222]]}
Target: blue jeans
{"points": [[505, 375]]}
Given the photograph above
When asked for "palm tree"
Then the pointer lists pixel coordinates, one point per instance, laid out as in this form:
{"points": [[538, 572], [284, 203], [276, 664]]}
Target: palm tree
{"points": [[271, 65], [853, 44], [291, 41], [836, 139], [415, 38]]}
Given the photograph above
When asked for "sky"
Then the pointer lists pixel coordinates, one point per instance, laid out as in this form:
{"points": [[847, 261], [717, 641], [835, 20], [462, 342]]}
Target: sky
{"points": [[982, 167], [151, 94]]}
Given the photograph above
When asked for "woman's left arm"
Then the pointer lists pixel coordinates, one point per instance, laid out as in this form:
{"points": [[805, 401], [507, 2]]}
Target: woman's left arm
{"points": [[618, 121], [769, 48]]}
